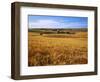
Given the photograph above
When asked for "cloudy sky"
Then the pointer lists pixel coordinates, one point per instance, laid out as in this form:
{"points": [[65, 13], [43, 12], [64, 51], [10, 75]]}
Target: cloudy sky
{"points": [[36, 21]]}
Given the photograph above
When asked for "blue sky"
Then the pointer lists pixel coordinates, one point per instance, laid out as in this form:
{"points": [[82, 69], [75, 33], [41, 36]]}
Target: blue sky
{"points": [[39, 21]]}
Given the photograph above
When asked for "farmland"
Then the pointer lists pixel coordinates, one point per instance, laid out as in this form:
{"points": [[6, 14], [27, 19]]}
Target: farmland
{"points": [[57, 47]]}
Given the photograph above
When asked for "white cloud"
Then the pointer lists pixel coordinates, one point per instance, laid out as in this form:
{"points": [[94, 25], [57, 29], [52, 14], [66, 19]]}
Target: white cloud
{"points": [[44, 24]]}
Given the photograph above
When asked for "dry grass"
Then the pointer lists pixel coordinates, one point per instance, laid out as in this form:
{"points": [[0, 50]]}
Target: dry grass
{"points": [[57, 49]]}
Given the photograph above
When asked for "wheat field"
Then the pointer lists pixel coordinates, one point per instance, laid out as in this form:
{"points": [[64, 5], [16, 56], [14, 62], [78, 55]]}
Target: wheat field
{"points": [[57, 49]]}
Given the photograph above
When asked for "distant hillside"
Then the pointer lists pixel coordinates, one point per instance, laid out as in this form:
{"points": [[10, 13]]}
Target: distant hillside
{"points": [[56, 29]]}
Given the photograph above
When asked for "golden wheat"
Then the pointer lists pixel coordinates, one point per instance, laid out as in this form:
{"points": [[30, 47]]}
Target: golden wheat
{"points": [[50, 49]]}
